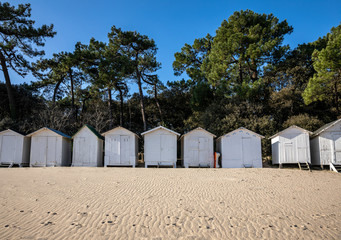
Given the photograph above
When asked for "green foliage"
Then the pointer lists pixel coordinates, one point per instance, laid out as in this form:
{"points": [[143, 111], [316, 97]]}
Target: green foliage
{"points": [[18, 38], [325, 84], [243, 46], [308, 122], [191, 58]]}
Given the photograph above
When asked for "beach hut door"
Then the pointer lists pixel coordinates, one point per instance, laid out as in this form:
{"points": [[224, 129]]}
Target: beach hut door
{"points": [[337, 147], [51, 151], [288, 152], [203, 151], [302, 148], [83, 150], [247, 152], [167, 148], [8, 149], [124, 150], [40, 155]]}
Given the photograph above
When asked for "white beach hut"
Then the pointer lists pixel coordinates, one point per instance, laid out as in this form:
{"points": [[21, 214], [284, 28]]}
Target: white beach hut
{"points": [[326, 144], [14, 148], [160, 147], [87, 148], [291, 146], [197, 148], [50, 147], [121, 147], [240, 148]]}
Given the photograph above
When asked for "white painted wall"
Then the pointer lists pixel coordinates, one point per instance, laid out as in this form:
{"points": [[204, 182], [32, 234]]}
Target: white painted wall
{"points": [[240, 149], [293, 147], [14, 148], [47, 149], [328, 147], [121, 148], [160, 148], [275, 150], [87, 149], [197, 149]]}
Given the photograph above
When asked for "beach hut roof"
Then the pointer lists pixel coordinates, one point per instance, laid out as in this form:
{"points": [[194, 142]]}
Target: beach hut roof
{"points": [[92, 129], [293, 126], [116, 128], [199, 129], [243, 129], [160, 127], [50, 129], [325, 127], [10, 130]]}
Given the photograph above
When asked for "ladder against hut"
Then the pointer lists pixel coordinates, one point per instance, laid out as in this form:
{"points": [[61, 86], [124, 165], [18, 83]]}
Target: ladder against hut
{"points": [[335, 167]]}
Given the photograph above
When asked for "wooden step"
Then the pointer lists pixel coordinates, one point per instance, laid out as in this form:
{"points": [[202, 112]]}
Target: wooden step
{"points": [[304, 166]]}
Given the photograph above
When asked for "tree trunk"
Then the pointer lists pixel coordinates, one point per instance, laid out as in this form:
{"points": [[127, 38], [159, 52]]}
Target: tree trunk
{"points": [[240, 72], [55, 91], [121, 106], [336, 98], [74, 113], [129, 109], [139, 83], [110, 108], [157, 103], [12, 105]]}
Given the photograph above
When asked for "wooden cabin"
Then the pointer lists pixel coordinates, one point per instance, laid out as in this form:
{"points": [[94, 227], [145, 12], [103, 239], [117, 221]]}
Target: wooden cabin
{"points": [[326, 144], [50, 147], [160, 147], [291, 146], [87, 148], [240, 148], [121, 147], [197, 148], [14, 148]]}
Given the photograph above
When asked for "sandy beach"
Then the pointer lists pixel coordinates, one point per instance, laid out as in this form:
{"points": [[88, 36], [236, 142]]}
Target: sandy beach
{"points": [[127, 203]]}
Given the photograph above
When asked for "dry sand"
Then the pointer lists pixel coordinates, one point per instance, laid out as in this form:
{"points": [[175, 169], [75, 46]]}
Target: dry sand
{"points": [[126, 203]]}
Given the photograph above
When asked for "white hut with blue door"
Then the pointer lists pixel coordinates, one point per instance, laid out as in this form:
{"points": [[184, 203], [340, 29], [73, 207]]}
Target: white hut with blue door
{"points": [[160, 147], [326, 144], [121, 147], [14, 148], [240, 148], [291, 146], [50, 147], [197, 148], [87, 148]]}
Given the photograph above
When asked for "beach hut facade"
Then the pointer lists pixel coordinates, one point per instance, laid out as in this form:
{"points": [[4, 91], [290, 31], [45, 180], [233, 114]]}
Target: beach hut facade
{"points": [[50, 147], [121, 147], [197, 148], [160, 147], [240, 148], [87, 148], [326, 144], [14, 148], [291, 146]]}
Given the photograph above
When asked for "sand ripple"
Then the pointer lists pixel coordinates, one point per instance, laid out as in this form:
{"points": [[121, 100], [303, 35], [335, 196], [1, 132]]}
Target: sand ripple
{"points": [[127, 203]]}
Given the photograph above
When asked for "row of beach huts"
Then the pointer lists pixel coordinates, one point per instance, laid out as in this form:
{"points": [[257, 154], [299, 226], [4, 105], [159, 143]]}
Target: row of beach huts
{"points": [[238, 149]]}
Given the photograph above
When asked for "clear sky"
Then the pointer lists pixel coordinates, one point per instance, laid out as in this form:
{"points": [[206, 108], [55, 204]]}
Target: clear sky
{"points": [[171, 23]]}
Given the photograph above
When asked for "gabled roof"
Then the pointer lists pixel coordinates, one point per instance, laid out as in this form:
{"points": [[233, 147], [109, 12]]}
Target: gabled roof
{"points": [[92, 129], [160, 127], [117, 128], [198, 129], [293, 126], [50, 129], [325, 127], [10, 130], [242, 129]]}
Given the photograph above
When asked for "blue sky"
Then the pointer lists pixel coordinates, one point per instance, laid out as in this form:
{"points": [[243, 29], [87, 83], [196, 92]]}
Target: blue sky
{"points": [[170, 23]]}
